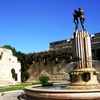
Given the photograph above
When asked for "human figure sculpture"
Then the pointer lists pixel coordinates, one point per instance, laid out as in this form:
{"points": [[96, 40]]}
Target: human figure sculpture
{"points": [[79, 14], [75, 14]]}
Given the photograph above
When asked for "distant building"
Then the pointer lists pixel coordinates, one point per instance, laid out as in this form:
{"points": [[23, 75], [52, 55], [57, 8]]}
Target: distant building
{"points": [[7, 63], [95, 41], [63, 44], [67, 44]]}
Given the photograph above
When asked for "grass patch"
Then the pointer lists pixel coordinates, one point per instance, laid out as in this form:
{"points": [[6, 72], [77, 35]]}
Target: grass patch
{"points": [[17, 86]]}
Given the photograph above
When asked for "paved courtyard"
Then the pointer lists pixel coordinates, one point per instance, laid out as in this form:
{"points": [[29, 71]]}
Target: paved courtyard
{"points": [[13, 95]]}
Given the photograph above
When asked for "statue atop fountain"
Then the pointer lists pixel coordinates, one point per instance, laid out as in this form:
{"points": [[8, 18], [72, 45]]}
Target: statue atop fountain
{"points": [[79, 14], [83, 74]]}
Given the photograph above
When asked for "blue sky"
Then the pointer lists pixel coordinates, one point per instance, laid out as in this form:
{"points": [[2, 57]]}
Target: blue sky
{"points": [[30, 25]]}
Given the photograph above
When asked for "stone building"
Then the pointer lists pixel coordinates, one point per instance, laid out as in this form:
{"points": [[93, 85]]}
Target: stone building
{"points": [[67, 44], [7, 63], [63, 44]]}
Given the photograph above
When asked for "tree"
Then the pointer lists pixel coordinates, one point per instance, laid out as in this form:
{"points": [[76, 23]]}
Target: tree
{"points": [[30, 58], [25, 76]]}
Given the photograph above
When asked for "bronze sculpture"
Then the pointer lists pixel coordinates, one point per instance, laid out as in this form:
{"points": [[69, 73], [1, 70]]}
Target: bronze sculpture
{"points": [[80, 14]]}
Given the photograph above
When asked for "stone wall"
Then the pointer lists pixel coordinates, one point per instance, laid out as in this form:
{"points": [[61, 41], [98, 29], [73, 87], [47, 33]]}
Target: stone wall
{"points": [[67, 44], [57, 72], [8, 62]]}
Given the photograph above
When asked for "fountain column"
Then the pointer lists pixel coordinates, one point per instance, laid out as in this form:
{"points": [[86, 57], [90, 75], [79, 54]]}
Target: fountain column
{"points": [[82, 49], [83, 74]]}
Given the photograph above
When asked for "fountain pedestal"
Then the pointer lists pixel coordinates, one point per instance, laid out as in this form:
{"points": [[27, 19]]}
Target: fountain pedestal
{"points": [[83, 75]]}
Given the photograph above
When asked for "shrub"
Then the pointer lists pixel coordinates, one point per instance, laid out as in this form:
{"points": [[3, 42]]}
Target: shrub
{"points": [[44, 79], [25, 76], [0, 56]]}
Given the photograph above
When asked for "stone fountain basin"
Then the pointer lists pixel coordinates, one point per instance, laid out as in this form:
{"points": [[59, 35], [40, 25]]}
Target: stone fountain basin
{"points": [[36, 93]]}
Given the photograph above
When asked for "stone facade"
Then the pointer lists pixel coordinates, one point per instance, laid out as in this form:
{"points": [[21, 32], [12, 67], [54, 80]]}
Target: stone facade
{"points": [[7, 63], [63, 44], [57, 72]]}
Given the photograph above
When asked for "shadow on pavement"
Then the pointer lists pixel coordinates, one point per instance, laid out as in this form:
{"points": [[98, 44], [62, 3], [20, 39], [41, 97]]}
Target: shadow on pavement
{"points": [[23, 97]]}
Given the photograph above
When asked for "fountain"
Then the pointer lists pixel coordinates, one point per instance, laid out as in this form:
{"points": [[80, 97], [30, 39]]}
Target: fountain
{"points": [[84, 84]]}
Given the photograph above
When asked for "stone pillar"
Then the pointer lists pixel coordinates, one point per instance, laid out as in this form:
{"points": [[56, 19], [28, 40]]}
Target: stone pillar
{"points": [[83, 74], [82, 49]]}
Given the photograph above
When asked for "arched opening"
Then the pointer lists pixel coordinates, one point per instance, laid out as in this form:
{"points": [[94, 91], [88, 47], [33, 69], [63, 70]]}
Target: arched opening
{"points": [[86, 76], [16, 76]]}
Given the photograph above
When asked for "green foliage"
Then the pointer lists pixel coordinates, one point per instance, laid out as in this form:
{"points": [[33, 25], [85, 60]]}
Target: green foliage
{"points": [[13, 73], [25, 76], [44, 79], [11, 48], [38, 57], [34, 83], [20, 86], [0, 56], [30, 58], [53, 55], [22, 58]]}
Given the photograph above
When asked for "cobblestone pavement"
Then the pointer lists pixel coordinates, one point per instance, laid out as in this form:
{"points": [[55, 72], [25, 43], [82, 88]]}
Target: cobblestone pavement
{"points": [[13, 95]]}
